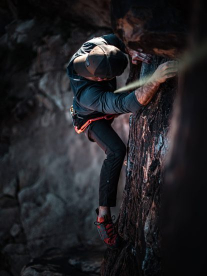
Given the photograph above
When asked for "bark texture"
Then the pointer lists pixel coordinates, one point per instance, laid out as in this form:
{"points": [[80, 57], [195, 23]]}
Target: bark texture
{"points": [[158, 27], [138, 222]]}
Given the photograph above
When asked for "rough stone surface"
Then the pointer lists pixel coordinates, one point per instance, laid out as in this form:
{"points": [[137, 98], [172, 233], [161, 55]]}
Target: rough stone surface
{"points": [[49, 174], [77, 262], [48, 188], [138, 222], [91, 13], [157, 27]]}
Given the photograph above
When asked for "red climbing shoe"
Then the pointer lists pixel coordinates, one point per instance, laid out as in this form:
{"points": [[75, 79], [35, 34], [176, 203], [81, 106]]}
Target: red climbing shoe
{"points": [[107, 231]]}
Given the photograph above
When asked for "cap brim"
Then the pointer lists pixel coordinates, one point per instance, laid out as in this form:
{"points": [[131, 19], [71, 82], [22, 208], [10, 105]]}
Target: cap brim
{"points": [[80, 68]]}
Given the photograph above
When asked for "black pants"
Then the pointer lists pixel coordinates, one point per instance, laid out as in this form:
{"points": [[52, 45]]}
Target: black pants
{"points": [[104, 135]]}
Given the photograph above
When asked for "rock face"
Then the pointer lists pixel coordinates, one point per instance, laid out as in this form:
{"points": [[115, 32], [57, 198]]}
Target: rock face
{"points": [[93, 13], [158, 27], [138, 222], [152, 26], [48, 188], [49, 174], [71, 262]]}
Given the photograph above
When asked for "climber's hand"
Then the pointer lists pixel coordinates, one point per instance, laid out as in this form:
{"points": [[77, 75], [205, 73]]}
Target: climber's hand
{"points": [[138, 56], [165, 71]]}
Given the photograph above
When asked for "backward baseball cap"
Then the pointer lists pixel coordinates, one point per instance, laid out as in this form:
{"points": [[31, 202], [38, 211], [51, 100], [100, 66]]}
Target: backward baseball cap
{"points": [[104, 61]]}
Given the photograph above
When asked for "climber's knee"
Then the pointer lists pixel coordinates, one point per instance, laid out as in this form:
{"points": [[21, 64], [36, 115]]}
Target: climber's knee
{"points": [[118, 153]]}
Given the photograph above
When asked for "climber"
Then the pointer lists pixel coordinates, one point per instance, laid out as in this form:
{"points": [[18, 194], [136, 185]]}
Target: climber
{"points": [[92, 71]]}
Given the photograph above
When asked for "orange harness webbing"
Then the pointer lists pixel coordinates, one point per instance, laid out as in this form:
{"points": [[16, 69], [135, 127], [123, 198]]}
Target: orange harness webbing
{"points": [[106, 117]]}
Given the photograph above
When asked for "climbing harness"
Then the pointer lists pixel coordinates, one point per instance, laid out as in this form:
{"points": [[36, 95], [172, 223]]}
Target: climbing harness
{"points": [[80, 124]]}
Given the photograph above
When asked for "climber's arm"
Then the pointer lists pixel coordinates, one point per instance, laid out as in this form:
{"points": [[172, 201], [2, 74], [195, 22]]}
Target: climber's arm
{"points": [[145, 93]]}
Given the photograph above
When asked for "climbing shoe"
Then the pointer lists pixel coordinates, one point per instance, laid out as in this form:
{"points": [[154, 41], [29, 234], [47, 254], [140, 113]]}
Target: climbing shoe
{"points": [[107, 231]]}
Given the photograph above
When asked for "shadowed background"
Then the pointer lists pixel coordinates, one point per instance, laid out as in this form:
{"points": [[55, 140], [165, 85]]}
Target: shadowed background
{"points": [[49, 175], [49, 187]]}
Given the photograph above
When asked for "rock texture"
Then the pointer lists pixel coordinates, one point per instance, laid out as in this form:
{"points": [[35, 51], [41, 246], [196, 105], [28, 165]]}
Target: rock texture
{"points": [[158, 27], [75, 262], [49, 174], [48, 189], [138, 222], [91, 13]]}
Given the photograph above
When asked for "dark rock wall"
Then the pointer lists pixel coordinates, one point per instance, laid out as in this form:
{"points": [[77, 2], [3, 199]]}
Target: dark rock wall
{"points": [[148, 145], [49, 174], [138, 222], [48, 188], [93, 12], [158, 27]]}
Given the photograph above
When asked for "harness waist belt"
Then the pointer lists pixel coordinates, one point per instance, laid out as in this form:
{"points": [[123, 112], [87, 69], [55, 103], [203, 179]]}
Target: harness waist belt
{"points": [[83, 127], [80, 124]]}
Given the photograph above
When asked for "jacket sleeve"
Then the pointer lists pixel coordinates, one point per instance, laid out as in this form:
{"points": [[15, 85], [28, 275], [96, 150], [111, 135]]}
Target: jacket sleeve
{"points": [[95, 99], [112, 39]]}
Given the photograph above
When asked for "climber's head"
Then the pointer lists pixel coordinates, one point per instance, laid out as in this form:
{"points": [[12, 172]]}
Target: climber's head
{"points": [[104, 62]]}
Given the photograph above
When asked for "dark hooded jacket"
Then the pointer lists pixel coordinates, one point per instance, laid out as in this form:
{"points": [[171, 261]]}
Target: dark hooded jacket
{"points": [[93, 98]]}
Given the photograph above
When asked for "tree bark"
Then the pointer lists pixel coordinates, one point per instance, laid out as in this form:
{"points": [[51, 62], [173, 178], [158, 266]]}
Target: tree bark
{"points": [[157, 27], [138, 222]]}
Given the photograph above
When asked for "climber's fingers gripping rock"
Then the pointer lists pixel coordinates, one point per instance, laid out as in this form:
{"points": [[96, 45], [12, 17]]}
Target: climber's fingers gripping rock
{"points": [[165, 71]]}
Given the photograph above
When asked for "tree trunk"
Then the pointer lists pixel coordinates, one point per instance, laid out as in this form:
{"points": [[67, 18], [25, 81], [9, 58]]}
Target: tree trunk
{"points": [[138, 222], [159, 28]]}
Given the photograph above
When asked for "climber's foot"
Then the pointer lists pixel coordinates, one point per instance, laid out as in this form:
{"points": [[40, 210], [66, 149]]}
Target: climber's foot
{"points": [[107, 231]]}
